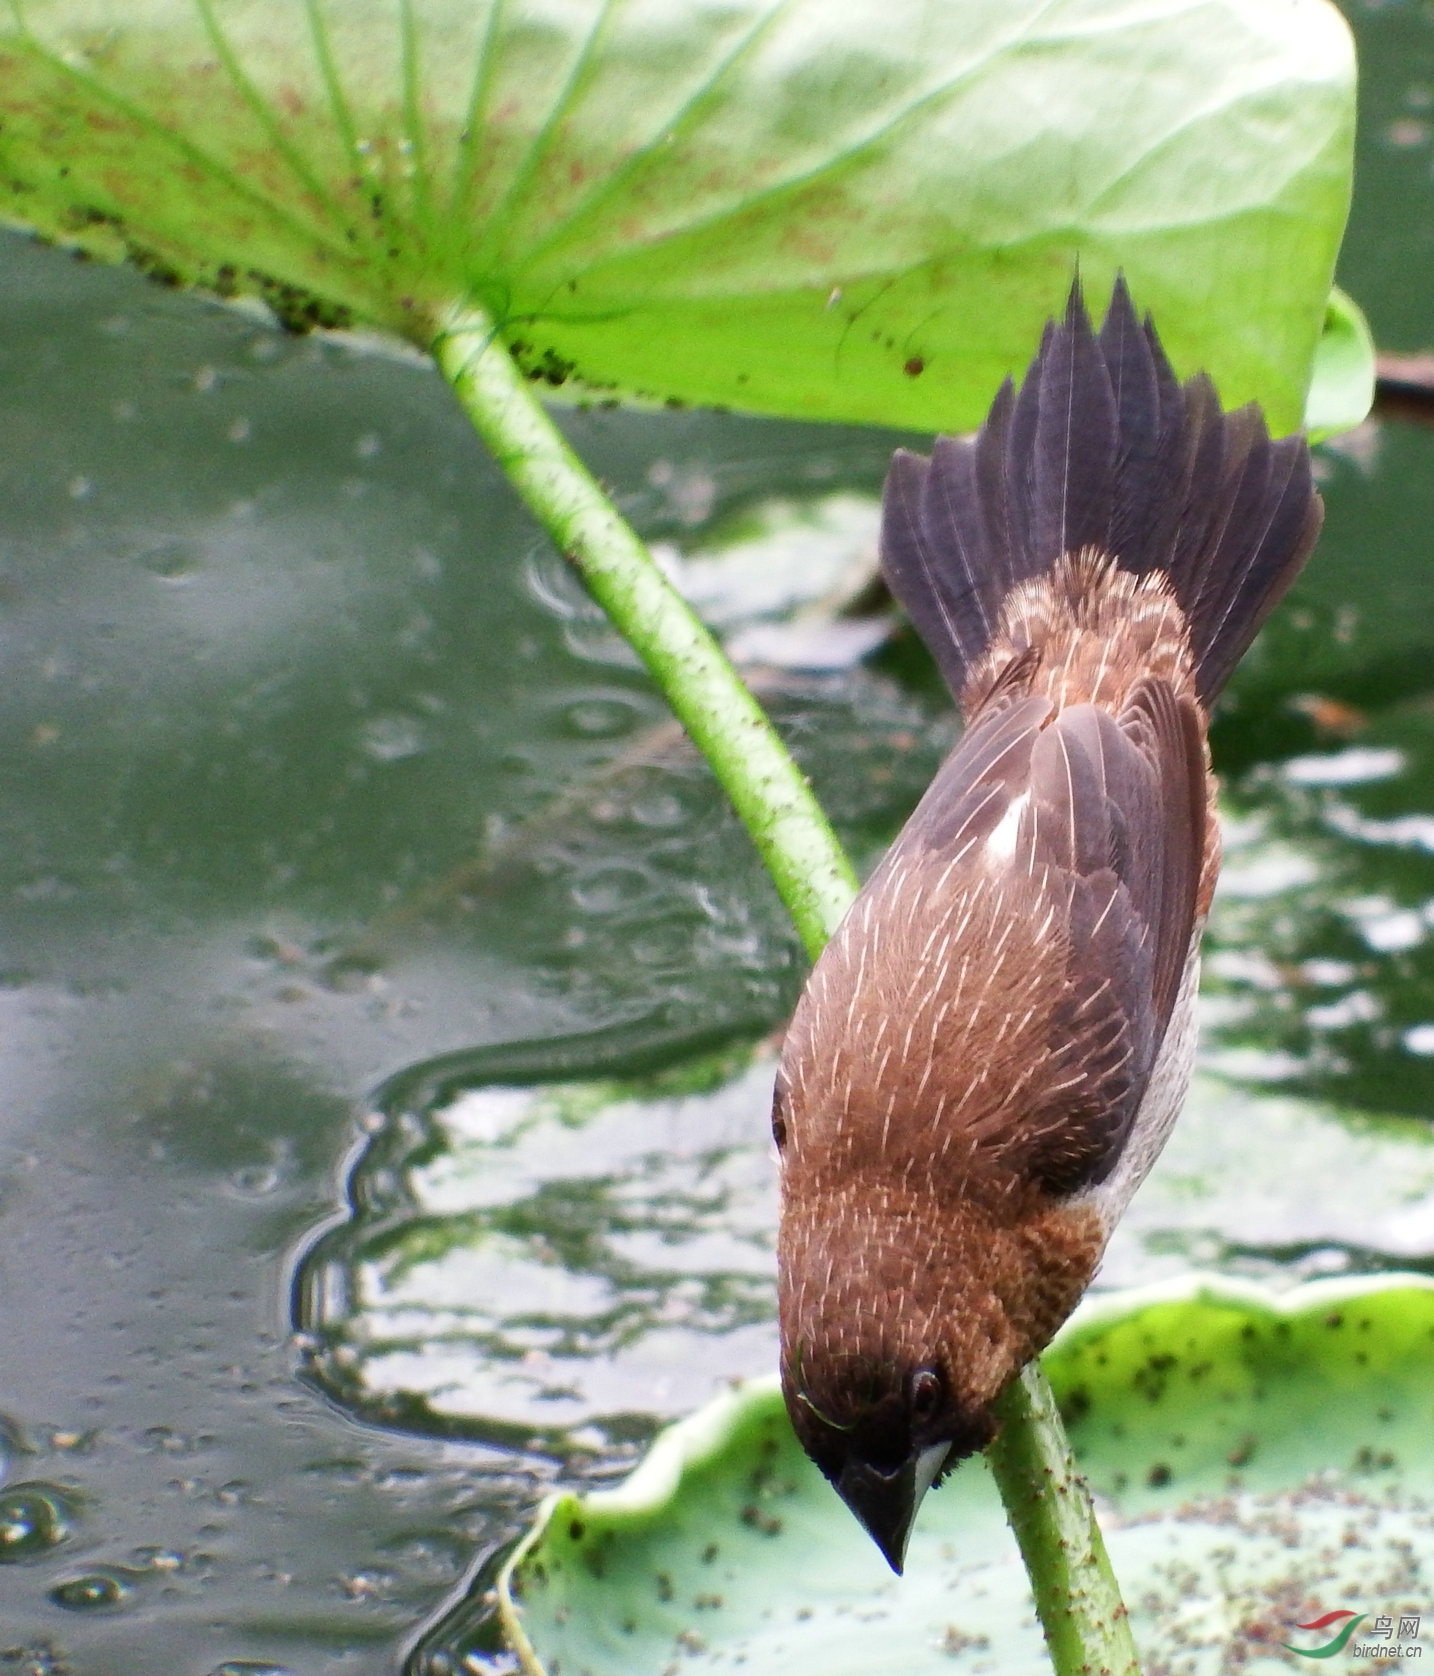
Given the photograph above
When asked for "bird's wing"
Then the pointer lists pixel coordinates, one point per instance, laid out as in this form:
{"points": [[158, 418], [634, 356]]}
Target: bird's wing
{"points": [[978, 782], [1115, 830], [1070, 923]]}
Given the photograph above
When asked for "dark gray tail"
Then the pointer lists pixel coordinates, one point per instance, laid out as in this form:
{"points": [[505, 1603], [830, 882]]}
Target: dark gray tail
{"points": [[1101, 448]]}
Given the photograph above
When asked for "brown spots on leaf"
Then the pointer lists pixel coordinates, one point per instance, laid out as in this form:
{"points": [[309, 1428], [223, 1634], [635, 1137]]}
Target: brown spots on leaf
{"points": [[1243, 1452], [298, 309], [760, 1520], [543, 366]]}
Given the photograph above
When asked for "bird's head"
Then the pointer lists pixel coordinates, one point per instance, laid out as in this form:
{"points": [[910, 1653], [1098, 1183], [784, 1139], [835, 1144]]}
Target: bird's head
{"points": [[904, 1429], [890, 1361]]}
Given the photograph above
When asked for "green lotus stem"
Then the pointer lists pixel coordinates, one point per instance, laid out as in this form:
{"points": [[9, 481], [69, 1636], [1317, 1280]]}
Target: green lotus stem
{"points": [[1046, 1500], [767, 789], [1049, 1508]]}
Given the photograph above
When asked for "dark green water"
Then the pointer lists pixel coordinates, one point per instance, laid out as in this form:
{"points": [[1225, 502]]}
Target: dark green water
{"points": [[321, 788]]}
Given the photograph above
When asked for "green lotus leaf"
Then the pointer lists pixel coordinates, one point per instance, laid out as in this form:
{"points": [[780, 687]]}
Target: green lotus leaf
{"points": [[1341, 392], [859, 211], [1260, 1460]]}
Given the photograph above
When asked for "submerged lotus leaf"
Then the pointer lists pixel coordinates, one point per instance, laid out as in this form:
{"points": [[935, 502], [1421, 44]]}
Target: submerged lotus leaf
{"points": [[861, 211], [1259, 1460]]}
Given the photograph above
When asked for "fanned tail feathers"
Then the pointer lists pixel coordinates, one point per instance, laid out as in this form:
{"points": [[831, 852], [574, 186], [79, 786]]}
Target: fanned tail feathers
{"points": [[1101, 448]]}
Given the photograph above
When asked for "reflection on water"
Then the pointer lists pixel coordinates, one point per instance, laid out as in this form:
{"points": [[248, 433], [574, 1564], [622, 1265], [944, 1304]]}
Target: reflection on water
{"points": [[1321, 965], [562, 1266]]}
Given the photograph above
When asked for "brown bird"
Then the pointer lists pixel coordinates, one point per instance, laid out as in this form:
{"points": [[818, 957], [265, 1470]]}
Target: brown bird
{"points": [[991, 1051]]}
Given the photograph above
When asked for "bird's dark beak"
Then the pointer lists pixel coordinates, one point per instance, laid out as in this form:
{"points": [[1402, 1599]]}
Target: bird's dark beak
{"points": [[886, 1503]]}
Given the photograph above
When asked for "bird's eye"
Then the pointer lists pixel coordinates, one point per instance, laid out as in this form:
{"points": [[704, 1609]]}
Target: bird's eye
{"points": [[927, 1392], [779, 1122]]}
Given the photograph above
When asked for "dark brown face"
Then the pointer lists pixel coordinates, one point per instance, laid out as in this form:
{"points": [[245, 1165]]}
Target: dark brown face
{"points": [[882, 1431]]}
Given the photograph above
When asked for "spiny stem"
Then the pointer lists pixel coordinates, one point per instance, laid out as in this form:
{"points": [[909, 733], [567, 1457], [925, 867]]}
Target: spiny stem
{"points": [[1046, 1500], [1049, 1508]]}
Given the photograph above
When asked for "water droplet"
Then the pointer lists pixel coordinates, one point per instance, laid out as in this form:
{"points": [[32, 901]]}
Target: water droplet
{"points": [[391, 738], [607, 890], [599, 718], [428, 1557], [159, 1559], [249, 1667], [663, 945], [33, 1519], [255, 1180], [660, 811], [171, 561], [96, 1591]]}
